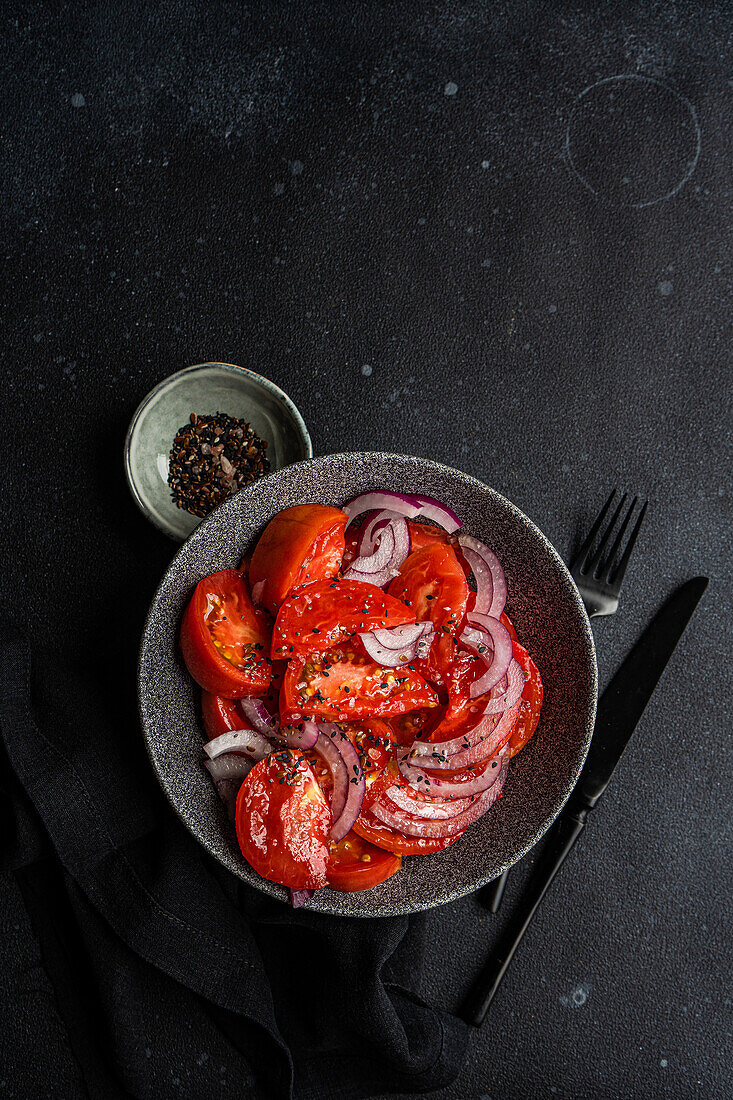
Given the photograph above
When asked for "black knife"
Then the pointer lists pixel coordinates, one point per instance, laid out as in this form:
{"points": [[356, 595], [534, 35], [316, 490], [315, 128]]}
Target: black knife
{"points": [[619, 710]]}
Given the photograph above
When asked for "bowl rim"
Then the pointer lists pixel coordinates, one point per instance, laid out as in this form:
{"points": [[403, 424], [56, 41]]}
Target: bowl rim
{"points": [[590, 651], [227, 368]]}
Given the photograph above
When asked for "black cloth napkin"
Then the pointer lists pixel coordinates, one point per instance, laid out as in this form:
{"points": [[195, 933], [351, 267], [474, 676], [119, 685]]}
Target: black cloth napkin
{"points": [[170, 977]]}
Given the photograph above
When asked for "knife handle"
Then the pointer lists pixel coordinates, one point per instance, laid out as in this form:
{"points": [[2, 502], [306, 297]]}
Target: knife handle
{"points": [[562, 837]]}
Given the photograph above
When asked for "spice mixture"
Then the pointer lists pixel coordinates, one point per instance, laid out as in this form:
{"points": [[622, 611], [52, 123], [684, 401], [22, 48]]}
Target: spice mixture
{"points": [[212, 458]]}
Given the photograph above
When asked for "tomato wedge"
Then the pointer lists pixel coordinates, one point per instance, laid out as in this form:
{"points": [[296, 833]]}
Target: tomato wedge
{"points": [[425, 534], [283, 821], [344, 684], [529, 710], [220, 715], [378, 834], [325, 612], [224, 639], [433, 585], [300, 544], [355, 864]]}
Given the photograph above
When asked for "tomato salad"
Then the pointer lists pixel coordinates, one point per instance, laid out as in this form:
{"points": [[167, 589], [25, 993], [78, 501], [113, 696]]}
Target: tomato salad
{"points": [[363, 690]]}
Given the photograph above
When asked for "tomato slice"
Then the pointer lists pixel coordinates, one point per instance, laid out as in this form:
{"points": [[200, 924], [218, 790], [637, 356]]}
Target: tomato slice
{"points": [[529, 710], [378, 834], [300, 544], [355, 864], [344, 684], [433, 585], [220, 715], [324, 613], [509, 625], [425, 534], [407, 728], [224, 639], [283, 821]]}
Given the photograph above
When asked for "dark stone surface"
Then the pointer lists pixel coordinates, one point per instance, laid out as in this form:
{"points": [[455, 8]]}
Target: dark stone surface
{"points": [[383, 211]]}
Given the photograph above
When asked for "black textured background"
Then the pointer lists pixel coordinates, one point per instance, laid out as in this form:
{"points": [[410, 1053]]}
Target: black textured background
{"points": [[375, 206]]}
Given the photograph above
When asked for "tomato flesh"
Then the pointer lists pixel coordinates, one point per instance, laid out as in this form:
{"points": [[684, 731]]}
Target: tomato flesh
{"points": [[433, 585], [425, 534], [355, 864], [283, 821], [529, 711], [300, 544], [220, 715], [224, 638], [344, 684], [325, 612], [380, 835]]}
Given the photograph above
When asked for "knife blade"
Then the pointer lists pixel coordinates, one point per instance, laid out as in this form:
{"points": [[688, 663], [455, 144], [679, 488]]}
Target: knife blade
{"points": [[619, 710]]}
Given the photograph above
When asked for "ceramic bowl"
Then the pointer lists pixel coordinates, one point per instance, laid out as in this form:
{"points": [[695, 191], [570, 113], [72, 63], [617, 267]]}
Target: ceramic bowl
{"points": [[204, 389], [543, 604]]}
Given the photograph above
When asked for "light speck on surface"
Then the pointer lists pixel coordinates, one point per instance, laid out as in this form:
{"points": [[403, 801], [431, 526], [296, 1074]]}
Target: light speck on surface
{"points": [[422, 221], [279, 189], [78, 100], [366, 369], [486, 263], [552, 309], [665, 288], [297, 167], [450, 88], [664, 1063], [485, 164], [38, 337]]}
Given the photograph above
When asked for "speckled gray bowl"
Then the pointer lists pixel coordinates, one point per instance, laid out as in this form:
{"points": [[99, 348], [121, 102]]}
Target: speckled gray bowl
{"points": [[543, 603], [205, 388]]}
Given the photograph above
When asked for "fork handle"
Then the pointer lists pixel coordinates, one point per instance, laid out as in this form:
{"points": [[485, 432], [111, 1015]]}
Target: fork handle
{"points": [[563, 836]]}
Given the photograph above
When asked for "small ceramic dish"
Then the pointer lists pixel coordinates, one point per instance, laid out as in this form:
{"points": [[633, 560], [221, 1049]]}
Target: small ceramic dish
{"points": [[543, 604], [204, 389]]}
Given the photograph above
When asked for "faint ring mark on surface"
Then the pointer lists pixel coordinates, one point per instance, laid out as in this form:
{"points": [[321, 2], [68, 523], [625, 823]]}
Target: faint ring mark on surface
{"points": [[632, 140]]}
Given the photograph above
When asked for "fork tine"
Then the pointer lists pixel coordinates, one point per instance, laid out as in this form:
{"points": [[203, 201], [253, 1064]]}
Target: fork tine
{"points": [[606, 567], [618, 574], [594, 559], [578, 561]]}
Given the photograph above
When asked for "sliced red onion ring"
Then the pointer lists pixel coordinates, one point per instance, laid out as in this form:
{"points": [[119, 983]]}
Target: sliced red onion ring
{"points": [[259, 717], [402, 503], [257, 592], [435, 809], [414, 826], [384, 562], [508, 690], [381, 556], [245, 741], [470, 782], [497, 657], [445, 517], [228, 789], [347, 775], [393, 658], [483, 578], [499, 591], [300, 897], [398, 637], [483, 742], [230, 765], [304, 738], [371, 529]]}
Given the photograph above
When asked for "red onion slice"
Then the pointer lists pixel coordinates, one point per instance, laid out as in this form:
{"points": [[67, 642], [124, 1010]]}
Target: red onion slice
{"points": [[499, 591], [445, 517], [470, 781], [497, 657], [483, 742], [372, 528], [511, 689], [402, 503], [245, 741], [343, 762], [483, 578], [257, 592], [259, 717], [388, 658], [381, 556], [399, 637], [228, 789], [303, 738], [434, 809], [408, 825], [230, 765], [300, 897], [383, 564]]}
